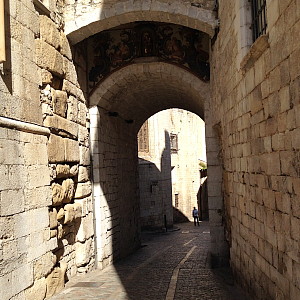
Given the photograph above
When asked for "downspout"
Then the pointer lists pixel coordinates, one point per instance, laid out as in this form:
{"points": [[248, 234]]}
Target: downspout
{"points": [[91, 165], [2, 33], [94, 213]]}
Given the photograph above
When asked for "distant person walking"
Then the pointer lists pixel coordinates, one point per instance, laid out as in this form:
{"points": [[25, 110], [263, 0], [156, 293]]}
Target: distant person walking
{"points": [[196, 216]]}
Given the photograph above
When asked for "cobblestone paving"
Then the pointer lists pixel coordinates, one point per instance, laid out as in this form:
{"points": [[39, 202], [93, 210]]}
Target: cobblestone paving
{"points": [[170, 266]]}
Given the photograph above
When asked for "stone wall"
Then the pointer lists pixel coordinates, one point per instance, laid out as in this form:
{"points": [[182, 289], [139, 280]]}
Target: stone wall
{"points": [[26, 242], [255, 108], [185, 162], [19, 84], [155, 183], [115, 187], [43, 82], [155, 195], [46, 213], [65, 114], [252, 137]]}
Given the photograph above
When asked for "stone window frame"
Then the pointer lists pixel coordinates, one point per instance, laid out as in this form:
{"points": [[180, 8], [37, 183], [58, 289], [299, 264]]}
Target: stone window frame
{"points": [[176, 200], [143, 138], [250, 49], [174, 142], [154, 187]]}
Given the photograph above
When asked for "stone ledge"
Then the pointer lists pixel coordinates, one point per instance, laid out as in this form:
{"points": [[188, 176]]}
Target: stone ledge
{"points": [[60, 124], [24, 126], [255, 51]]}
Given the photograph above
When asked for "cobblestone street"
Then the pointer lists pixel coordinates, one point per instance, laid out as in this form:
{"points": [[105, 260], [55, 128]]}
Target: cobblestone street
{"points": [[172, 265]]}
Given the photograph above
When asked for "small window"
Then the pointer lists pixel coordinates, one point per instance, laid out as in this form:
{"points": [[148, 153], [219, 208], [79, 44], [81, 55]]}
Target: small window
{"points": [[173, 143], [259, 18], [154, 188], [176, 200], [143, 138]]}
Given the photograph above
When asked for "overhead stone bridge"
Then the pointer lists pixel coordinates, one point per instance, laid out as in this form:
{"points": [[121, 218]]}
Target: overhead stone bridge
{"points": [[83, 19]]}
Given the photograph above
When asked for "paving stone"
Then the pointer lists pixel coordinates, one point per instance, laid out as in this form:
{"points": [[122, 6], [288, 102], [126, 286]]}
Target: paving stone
{"points": [[146, 274]]}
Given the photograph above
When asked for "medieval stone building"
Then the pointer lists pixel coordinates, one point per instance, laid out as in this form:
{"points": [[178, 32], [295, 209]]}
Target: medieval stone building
{"points": [[171, 145], [78, 80]]}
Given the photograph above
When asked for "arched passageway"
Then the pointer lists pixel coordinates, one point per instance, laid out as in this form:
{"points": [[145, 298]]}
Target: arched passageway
{"points": [[133, 93], [46, 199], [119, 105]]}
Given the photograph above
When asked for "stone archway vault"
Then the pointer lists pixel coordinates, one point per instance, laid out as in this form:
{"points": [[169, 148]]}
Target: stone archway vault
{"points": [[138, 91]]}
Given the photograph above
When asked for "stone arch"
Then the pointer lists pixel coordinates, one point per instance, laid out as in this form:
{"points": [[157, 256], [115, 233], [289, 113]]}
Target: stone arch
{"points": [[162, 84], [83, 20]]}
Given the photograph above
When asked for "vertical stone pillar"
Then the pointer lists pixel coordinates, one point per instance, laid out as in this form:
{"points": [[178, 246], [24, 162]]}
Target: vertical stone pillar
{"points": [[219, 248]]}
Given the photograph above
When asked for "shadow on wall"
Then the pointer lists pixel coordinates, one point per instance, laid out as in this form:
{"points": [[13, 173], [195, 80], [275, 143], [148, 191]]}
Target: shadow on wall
{"points": [[115, 180], [202, 196], [179, 217], [155, 188]]}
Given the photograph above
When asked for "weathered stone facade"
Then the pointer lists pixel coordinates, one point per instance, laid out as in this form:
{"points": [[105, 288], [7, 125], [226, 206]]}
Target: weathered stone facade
{"points": [[169, 170], [115, 186], [26, 243], [46, 205], [255, 100], [62, 212]]}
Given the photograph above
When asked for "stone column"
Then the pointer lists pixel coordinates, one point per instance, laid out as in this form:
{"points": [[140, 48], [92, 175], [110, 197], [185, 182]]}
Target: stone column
{"points": [[219, 246]]}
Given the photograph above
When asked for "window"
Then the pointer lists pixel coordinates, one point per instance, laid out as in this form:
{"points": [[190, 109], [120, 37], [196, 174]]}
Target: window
{"points": [[154, 188], [173, 143], [143, 138], [259, 20], [253, 38], [176, 200]]}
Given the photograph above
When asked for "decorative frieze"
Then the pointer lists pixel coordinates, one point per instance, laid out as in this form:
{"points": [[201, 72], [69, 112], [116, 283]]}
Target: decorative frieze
{"points": [[180, 45]]}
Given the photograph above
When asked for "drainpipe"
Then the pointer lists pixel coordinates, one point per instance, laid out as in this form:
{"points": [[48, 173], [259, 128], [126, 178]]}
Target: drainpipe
{"points": [[93, 202], [94, 216], [2, 32]]}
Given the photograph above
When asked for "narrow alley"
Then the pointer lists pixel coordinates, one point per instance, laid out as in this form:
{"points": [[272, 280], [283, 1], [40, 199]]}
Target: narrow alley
{"points": [[171, 266]]}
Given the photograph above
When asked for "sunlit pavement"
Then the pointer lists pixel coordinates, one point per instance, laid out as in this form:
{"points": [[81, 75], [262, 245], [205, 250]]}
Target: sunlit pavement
{"points": [[170, 266]]}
